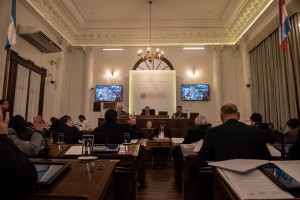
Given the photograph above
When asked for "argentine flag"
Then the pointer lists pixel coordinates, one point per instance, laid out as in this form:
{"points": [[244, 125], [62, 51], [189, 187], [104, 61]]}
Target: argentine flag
{"points": [[284, 25], [11, 34]]}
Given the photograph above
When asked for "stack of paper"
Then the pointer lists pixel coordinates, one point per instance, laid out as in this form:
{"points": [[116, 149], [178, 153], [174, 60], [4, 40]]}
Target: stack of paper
{"points": [[177, 141]]}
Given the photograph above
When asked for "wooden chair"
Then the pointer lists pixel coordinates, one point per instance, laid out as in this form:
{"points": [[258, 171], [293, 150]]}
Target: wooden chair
{"points": [[193, 115]]}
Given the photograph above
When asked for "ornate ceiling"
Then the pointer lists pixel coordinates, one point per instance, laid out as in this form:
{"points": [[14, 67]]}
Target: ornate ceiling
{"points": [[127, 22]]}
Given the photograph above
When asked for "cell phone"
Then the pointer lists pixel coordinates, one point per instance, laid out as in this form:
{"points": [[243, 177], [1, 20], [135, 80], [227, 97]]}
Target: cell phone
{"points": [[280, 177]]}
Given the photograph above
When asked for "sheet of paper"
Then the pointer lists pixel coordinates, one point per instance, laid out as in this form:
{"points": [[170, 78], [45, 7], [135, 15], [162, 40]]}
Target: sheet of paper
{"points": [[291, 167], [134, 141], [74, 150], [239, 165], [177, 141], [197, 145], [187, 146], [273, 151], [254, 185]]}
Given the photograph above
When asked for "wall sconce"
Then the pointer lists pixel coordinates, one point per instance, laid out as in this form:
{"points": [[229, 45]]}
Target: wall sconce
{"points": [[192, 73], [51, 78], [112, 74]]}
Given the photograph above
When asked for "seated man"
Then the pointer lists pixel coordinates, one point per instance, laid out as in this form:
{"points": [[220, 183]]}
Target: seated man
{"points": [[193, 135], [113, 133], [232, 140], [18, 176], [265, 131], [147, 111], [71, 133], [179, 114]]}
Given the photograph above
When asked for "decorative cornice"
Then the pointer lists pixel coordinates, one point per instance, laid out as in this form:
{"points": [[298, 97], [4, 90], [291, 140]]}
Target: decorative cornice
{"points": [[71, 28]]}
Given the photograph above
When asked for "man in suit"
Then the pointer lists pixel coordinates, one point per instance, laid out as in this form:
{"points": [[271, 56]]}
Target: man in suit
{"points": [[113, 133], [179, 114], [71, 133], [120, 110], [265, 131], [232, 140], [147, 111]]}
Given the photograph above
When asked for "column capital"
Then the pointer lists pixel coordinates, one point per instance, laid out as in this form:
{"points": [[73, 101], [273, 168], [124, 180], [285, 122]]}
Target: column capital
{"points": [[87, 50], [217, 50]]}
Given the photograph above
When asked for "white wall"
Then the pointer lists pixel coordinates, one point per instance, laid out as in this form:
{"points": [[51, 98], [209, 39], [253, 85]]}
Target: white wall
{"points": [[66, 96]]}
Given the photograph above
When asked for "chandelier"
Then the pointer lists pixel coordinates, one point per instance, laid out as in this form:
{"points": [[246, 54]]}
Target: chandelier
{"points": [[149, 56]]}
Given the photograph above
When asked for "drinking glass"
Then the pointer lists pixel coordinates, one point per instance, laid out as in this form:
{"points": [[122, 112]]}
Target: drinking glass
{"points": [[87, 145], [127, 138], [61, 138]]}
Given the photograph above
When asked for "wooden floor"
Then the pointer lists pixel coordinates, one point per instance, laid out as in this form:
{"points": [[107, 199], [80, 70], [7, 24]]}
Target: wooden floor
{"points": [[159, 185]]}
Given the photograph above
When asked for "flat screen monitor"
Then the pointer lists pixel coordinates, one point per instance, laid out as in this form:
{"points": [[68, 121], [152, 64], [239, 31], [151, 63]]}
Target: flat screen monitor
{"points": [[112, 93], [195, 92]]}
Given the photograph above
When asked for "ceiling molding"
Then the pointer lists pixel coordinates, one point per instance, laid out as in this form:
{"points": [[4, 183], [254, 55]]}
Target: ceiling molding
{"points": [[232, 19]]}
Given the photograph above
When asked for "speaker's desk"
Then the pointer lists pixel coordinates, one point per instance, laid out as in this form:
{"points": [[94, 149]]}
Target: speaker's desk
{"points": [[177, 127], [91, 180]]}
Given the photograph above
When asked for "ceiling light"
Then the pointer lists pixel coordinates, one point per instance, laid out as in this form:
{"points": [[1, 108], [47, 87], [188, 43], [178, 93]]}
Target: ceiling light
{"points": [[149, 56], [113, 49], [193, 48]]}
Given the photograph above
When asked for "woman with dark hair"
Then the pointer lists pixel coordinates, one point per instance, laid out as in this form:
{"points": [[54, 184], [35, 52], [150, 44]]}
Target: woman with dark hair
{"points": [[19, 124], [161, 154]]}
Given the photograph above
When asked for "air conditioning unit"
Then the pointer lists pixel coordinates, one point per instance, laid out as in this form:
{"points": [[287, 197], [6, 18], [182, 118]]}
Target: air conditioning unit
{"points": [[39, 39]]}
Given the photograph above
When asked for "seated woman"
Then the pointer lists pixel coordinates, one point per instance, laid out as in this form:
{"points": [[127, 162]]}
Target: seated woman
{"points": [[161, 155]]}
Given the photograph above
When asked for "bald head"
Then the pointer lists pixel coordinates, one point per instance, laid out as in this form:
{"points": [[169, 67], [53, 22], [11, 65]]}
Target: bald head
{"points": [[229, 111]]}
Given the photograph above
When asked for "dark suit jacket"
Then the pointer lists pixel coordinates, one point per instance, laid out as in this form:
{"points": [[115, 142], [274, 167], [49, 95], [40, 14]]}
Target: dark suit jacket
{"points": [[195, 134], [179, 115], [18, 176], [233, 140], [295, 148], [113, 133], [156, 131], [71, 134]]}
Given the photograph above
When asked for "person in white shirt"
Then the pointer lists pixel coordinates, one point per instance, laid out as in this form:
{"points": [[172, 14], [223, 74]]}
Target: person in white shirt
{"points": [[83, 124]]}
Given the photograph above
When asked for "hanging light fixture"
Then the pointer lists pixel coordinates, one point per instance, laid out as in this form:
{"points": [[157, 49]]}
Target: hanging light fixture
{"points": [[149, 56]]}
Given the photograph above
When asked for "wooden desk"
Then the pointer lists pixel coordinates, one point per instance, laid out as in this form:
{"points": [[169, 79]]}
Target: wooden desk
{"points": [[126, 170], [177, 127], [150, 144], [81, 181], [56, 150], [189, 161]]}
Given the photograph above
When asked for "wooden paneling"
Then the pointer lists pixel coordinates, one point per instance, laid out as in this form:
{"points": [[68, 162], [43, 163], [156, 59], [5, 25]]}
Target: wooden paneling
{"points": [[177, 127]]}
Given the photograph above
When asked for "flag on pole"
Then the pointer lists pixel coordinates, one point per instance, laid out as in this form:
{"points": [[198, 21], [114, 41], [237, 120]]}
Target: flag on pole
{"points": [[284, 24], [11, 34]]}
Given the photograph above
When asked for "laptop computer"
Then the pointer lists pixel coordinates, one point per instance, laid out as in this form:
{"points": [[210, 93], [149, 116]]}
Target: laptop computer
{"points": [[111, 148], [49, 171]]}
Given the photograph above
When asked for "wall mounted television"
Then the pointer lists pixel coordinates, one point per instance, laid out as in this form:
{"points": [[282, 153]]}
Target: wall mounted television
{"points": [[195, 92], [109, 93]]}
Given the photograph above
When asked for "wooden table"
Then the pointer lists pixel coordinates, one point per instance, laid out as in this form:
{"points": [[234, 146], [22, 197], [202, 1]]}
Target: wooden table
{"points": [[91, 180], [126, 169]]}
